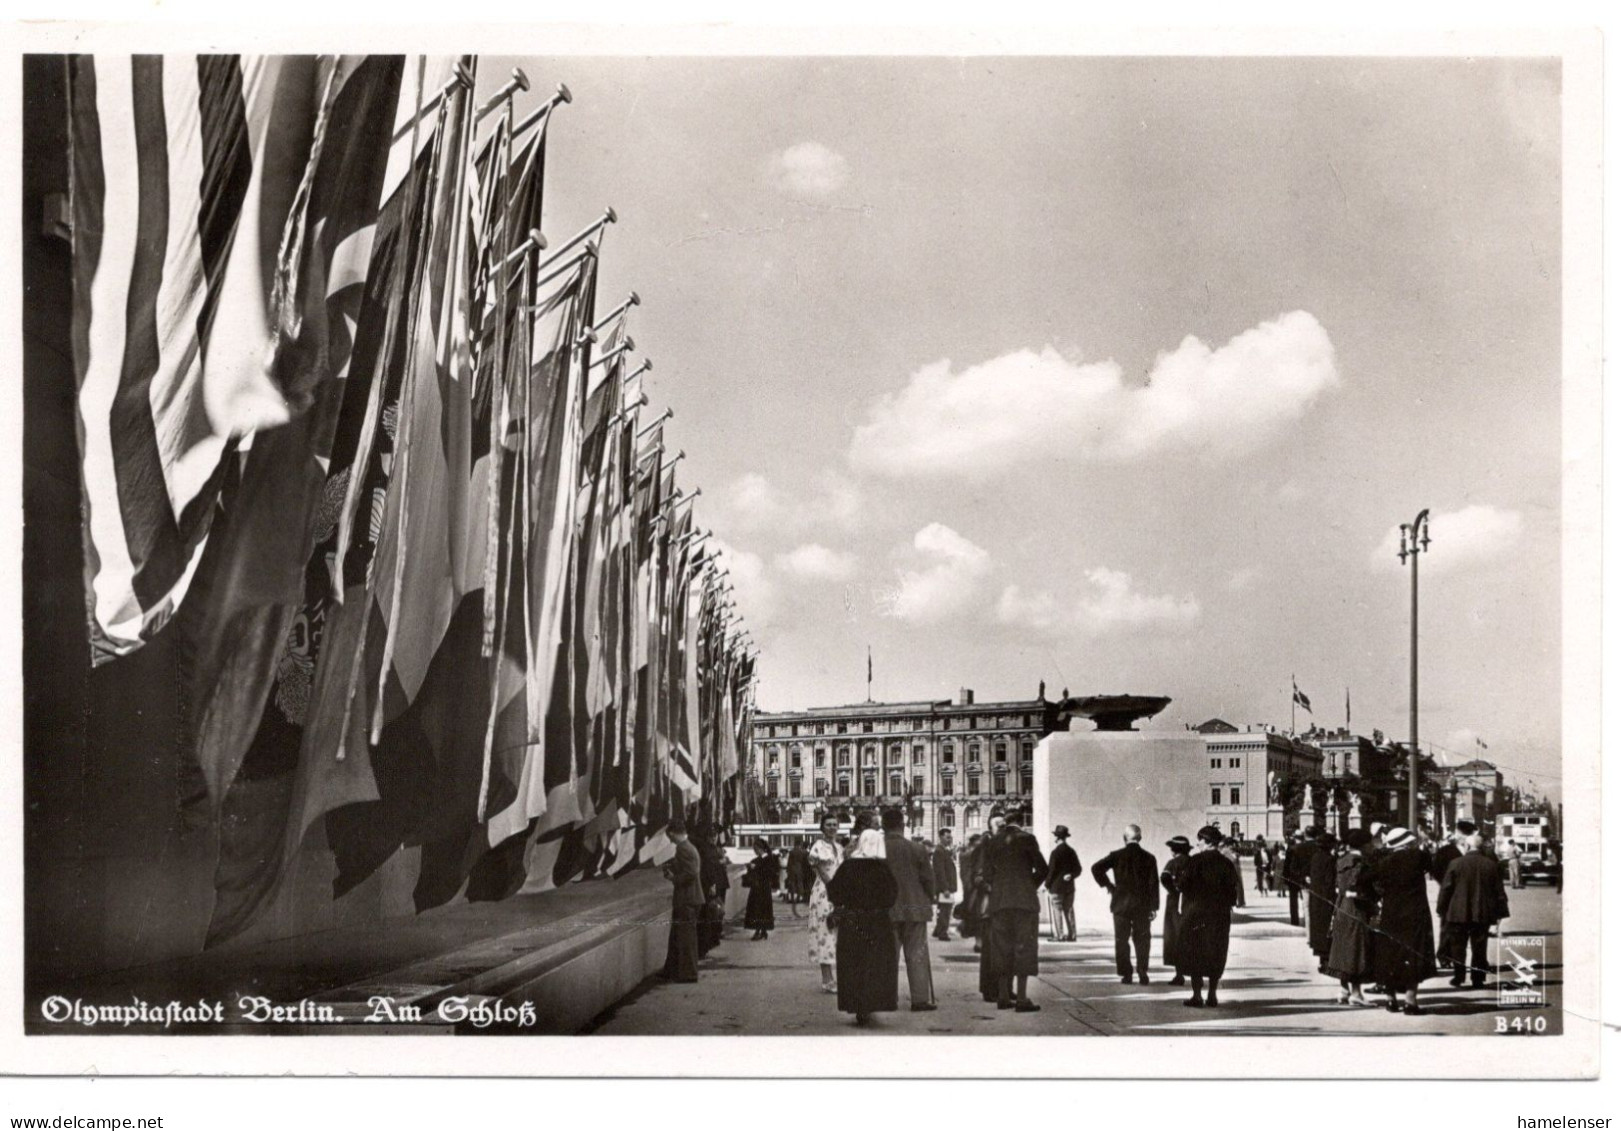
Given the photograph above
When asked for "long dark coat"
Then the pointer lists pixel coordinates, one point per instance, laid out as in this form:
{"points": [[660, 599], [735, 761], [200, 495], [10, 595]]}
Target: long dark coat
{"points": [[1170, 878], [1472, 892], [1209, 888], [1350, 953], [761, 879], [1404, 944], [799, 875], [1322, 900], [862, 892], [1013, 867]]}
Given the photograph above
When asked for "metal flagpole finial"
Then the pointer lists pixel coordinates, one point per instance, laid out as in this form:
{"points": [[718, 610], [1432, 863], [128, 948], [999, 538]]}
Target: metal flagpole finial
{"points": [[535, 241], [624, 347], [587, 335], [460, 77], [518, 81], [543, 110], [662, 417], [580, 237]]}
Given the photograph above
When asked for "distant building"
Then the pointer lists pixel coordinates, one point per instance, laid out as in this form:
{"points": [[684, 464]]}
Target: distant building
{"points": [[1348, 755], [1470, 792], [947, 762], [1248, 770]]}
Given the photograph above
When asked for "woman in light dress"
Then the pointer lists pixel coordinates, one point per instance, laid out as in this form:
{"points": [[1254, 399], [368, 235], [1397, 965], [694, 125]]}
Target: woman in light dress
{"points": [[825, 857]]}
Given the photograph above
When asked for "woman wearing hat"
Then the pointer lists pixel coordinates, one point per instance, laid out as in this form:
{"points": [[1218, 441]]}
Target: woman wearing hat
{"points": [[1170, 878], [863, 890], [1349, 953], [761, 879], [1404, 942], [1209, 888]]}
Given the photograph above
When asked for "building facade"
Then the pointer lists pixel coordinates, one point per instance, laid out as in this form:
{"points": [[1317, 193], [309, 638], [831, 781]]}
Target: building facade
{"points": [[948, 763], [1249, 771]]}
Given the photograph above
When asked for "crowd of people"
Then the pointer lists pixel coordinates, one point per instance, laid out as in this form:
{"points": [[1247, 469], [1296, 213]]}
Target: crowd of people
{"points": [[872, 895]]}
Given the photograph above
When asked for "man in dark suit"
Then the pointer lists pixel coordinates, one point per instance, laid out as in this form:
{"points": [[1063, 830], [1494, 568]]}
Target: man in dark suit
{"points": [[944, 863], [1133, 899], [1471, 902], [686, 900], [1014, 868], [1297, 869], [1448, 852], [914, 905], [1062, 868]]}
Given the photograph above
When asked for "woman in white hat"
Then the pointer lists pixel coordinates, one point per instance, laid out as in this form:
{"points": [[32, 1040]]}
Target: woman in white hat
{"points": [[1404, 936]]}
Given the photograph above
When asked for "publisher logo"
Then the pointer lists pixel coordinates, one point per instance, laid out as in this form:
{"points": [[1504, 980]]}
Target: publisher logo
{"points": [[1519, 962]]}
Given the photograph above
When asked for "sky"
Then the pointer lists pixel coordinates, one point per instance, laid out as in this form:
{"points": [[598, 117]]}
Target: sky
{"points": [[1115, 374]]}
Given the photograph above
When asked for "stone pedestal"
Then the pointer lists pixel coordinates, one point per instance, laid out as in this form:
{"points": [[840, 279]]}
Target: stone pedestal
{"points": [[1097, 782]]}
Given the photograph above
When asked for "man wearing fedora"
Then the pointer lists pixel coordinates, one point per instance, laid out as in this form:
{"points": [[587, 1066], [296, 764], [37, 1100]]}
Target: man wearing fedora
{"points": [[1133, 900], [1062, 868]]}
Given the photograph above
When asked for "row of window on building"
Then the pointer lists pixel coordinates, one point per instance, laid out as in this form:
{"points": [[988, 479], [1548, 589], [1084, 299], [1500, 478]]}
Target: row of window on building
{"points": [[897, 783], [869, 754], [881, 726]]}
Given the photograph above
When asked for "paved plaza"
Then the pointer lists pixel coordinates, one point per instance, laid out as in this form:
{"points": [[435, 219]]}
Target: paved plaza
{"points": [[1272, 988]]}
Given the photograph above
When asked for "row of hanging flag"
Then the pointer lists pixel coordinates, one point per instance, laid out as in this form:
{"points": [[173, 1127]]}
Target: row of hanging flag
{"points": [[357, 436]]}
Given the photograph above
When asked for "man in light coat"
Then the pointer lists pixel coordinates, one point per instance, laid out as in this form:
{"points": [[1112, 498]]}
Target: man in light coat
{"points": [[909, 863]]}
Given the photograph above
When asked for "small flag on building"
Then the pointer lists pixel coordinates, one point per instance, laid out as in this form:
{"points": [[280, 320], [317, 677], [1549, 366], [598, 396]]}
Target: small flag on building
{"points": [[1300, 696]]}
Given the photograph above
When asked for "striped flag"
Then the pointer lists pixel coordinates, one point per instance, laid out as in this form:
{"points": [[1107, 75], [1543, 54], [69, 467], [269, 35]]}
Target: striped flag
{"points": [[181, 166]]}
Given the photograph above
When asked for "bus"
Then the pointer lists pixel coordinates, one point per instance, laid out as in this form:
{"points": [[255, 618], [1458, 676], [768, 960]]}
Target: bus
{"points": [[779, 837], [1532, 834]]}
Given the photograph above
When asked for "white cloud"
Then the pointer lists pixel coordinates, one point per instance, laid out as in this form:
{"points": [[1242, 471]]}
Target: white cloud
{"points": [[815, 562], [1108, 604], [752, 502], [1240, 580], [948, 582], [1029, 406], [809, 169], [1458, 539], [756, 593]]}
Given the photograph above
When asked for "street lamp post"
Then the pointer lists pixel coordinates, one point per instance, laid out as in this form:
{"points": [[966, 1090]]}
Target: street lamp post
{"points": [[1415, 539]]}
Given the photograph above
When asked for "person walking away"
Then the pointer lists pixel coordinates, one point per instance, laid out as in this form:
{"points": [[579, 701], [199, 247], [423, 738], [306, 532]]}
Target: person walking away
{"points": [[1229, 849], [1260, 867], [825, 857], [1471, 903], [1450, 851], [1404, 938], [1511, 857], [1350, 952], [1133, 900], [686, 899], [1296, 867], [1063, 866], [1209, 889], [761, 879], [943, 862], [979, 910], [799, 877], [1014, 871], [913, 873], [974, 896], [1321, 899], [863, 892], [1170, 880]]}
